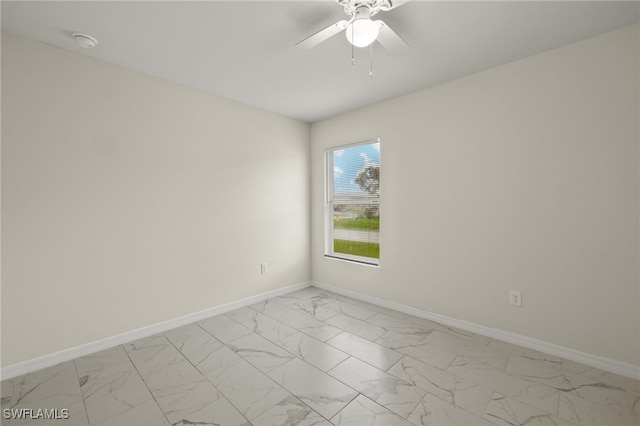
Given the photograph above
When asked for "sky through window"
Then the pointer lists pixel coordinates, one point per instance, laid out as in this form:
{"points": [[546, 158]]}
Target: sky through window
{"points": [[348, 162]]}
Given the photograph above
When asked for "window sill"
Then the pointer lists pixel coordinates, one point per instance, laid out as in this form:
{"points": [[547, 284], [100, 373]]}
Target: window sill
{"points": [[355, 261]]}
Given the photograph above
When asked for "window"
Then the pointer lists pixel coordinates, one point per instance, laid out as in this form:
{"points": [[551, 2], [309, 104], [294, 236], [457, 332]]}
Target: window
{"points": [[352, 205]]}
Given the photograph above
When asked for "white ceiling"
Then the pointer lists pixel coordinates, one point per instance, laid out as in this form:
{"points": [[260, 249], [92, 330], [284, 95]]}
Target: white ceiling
{"points": [[245, 50]]}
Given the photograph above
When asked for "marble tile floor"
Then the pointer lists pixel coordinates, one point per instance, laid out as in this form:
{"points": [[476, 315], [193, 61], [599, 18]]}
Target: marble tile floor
{"points": [[314, 358]]}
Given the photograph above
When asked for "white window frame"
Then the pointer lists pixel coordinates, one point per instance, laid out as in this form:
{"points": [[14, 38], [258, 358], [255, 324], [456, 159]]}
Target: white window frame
{"points": [[329, 202]]}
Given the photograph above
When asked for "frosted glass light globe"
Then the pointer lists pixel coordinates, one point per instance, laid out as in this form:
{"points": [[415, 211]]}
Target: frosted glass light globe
{"points": [[362, 31]]}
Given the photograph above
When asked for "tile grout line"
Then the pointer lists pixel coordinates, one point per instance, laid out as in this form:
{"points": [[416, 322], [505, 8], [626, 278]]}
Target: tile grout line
{"points": [[257, 369], [385, 371], [297, 397], [84, 404], [346, 405], [203, 375], [265, 374], [291, 360], [346, 353], [466, 338], [145, 385]]}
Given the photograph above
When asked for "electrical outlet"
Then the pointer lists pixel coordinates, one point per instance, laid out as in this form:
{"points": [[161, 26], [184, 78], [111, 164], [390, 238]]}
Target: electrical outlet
{"points": [[264, 268], [515, 298]]}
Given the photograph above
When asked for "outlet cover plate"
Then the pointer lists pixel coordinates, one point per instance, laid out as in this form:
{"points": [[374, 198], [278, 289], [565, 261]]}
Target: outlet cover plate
{"points": [[515, 298]]}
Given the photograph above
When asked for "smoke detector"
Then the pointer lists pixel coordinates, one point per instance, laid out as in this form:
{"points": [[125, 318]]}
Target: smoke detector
{"points": [[85, 40]]}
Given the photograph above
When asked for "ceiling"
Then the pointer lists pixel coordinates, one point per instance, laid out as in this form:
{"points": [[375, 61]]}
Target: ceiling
{"points": [[245, 50]]}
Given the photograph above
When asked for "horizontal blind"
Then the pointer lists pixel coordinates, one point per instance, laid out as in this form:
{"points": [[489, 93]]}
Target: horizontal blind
{"points": [[354, 199]]}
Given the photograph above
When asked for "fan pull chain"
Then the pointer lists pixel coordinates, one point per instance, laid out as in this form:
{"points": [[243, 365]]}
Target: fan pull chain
{"points": [[371, 60], [353, 57]]}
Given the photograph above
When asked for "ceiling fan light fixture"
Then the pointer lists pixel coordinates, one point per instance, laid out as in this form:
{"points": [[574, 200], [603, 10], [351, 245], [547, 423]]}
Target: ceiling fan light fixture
{"points": [[362, 31]]}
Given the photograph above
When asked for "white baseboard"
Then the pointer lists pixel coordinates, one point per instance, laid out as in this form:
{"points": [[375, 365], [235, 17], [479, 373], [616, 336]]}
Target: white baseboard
{"points": [[49, 360], [606, 364], [617, 367]]}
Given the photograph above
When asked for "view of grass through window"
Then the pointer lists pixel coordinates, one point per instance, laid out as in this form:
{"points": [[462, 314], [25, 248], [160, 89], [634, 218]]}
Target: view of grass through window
{"points": [[355, 195], [361, 233]]}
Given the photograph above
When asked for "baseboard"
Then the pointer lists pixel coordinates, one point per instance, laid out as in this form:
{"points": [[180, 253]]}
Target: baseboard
{"points": [[49, 360], [617, 367], [606, 364]]}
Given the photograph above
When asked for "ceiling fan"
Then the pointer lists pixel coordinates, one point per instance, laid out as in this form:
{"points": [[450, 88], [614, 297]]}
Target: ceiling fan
{"points": [[360, 30]]}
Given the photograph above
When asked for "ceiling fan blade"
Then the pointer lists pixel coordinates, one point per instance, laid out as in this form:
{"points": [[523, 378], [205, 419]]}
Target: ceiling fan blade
{"points": [[322, 35], [394, 4], [389, 39]]}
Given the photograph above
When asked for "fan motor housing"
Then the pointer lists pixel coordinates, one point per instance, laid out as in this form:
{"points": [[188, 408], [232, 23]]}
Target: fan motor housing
{"points": [[351, 6]]}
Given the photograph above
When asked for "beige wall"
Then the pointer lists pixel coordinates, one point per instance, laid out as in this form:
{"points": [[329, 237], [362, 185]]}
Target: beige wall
{"points": [[128, 200], [522, 177]]}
